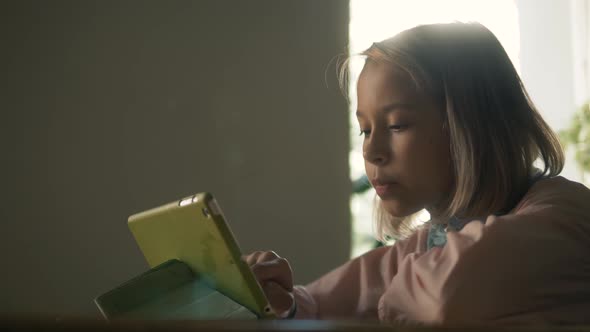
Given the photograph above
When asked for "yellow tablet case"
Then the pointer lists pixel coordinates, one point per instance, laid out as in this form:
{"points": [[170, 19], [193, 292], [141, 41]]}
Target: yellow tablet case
{"points": [[194, 231]]}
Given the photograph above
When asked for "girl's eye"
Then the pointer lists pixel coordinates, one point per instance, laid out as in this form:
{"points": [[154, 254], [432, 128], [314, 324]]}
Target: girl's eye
{"points": [[364, 133], [397, 127]]}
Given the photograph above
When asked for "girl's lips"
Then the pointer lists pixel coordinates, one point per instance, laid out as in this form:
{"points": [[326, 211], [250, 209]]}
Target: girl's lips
{"points": [[384, 189]]}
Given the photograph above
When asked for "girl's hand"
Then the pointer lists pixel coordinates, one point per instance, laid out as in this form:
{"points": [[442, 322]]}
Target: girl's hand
{"points": [[275, 276]]}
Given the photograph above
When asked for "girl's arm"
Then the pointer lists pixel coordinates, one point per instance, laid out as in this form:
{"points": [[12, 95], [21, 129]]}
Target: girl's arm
{"points": [[353, 290]]}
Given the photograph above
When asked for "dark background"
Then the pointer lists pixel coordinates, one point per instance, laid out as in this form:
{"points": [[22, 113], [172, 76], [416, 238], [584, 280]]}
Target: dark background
{"points": [[112, 107]]}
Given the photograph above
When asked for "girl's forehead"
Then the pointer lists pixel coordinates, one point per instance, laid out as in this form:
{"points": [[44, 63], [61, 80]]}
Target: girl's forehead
{"points": [[383, 79], [385, 67]]}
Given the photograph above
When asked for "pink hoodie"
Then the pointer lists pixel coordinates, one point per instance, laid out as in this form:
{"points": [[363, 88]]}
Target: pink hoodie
{"points": [[531, 266]]}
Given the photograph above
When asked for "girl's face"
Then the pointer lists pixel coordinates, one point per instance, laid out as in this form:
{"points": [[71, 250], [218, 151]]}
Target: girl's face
{"points": [[405, 147]]}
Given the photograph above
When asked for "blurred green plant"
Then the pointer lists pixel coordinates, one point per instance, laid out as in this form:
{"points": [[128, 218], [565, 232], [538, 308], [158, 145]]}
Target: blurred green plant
{"points": [[577, 137]]}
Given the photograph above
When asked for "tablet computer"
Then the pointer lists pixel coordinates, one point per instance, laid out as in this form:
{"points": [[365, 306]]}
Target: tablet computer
{"points": [[194, 231]]}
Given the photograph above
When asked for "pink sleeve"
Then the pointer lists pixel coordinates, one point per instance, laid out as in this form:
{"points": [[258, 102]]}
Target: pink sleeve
{"points": [[531, 266], [353, 290]]}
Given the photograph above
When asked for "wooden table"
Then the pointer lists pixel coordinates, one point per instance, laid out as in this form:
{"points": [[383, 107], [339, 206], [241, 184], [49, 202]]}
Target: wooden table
{"points": [[95, 325]]}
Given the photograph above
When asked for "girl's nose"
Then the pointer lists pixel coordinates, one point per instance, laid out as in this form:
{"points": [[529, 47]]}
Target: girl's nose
{"points": [[377, 150]]}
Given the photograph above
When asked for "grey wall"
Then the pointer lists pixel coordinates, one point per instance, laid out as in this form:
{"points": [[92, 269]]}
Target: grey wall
{"points": [[112, 107]]}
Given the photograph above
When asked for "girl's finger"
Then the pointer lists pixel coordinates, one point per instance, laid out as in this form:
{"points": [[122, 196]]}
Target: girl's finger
{"points": [[267, 256], [277, 270], [252, 258], [280, 300]]}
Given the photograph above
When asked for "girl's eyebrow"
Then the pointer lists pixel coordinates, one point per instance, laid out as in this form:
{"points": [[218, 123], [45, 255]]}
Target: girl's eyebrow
{"points": [[395, 106]]}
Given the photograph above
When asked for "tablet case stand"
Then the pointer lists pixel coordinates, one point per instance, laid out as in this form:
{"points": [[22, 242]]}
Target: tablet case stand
{"points": [[169, 291]]}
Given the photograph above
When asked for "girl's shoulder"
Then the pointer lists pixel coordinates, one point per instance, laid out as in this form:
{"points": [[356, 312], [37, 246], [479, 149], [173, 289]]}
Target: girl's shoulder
{"points": [[555, 193]]}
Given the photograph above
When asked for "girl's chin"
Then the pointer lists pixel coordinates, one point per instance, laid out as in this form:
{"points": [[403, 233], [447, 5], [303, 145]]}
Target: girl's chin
{"points": [[398, 210]]}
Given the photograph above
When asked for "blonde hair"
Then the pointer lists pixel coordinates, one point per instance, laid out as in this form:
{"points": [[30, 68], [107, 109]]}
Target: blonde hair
{"points": [[495, 131]]}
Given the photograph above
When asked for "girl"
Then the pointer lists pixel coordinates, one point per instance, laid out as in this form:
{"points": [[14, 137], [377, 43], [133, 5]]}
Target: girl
{"points": [[449, 127]]}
